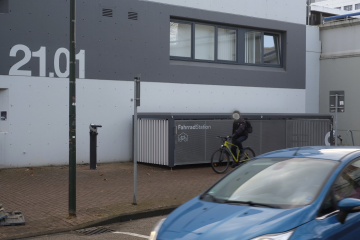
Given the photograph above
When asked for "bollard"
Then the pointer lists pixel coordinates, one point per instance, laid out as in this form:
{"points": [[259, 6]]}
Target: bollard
{"points": [[93, 147]]}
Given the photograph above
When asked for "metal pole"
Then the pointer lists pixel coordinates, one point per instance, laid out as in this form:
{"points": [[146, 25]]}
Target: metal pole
{"points": [[336, 118], [72, 114], [308, 12], [135, 140]]}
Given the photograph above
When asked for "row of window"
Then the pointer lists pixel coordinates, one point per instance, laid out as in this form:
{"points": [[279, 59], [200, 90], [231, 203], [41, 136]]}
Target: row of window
{"points": [[350, 7], [212, 43]]}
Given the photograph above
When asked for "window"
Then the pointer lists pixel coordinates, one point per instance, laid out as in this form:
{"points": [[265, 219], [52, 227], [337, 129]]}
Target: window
{"points": [[338, 8], [357, 6], [204, 42], [347, 185], [226, 44], [180, 39], [271, 49], [279, 182], [328, 206], [348, 8], [253, 47]]}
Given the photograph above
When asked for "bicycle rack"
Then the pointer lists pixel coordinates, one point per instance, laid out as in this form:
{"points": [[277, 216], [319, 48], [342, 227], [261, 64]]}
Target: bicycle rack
{"points": [[352, 136]]}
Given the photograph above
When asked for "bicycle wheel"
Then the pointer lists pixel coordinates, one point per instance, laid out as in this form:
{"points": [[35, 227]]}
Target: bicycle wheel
{"points": [[248, 154], [220, 161]]}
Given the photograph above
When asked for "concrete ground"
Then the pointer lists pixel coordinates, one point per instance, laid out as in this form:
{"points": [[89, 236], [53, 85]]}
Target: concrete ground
{"points": [[41, 193]]}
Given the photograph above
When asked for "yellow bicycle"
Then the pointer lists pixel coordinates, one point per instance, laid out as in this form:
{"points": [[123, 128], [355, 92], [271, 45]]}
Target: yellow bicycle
{"points": [[221, 158]]}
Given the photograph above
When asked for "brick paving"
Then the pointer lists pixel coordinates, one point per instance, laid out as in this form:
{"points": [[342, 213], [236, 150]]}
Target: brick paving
{"points": [[41, 193]]}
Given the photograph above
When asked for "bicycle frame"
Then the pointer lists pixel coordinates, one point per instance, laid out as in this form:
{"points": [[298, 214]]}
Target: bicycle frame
{"points": [[227, 145]]}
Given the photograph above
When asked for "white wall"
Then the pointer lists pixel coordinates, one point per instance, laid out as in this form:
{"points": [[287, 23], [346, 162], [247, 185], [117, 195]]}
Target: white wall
{"points": [[313, 51], [293, 11], [38, 114]]}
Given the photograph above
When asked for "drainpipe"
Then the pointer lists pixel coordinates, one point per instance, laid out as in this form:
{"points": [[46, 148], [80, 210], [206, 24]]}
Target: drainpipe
{"points": [[308, 11]]}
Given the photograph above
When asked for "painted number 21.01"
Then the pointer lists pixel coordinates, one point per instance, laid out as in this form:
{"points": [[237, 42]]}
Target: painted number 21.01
{"points": [[41, 54]]}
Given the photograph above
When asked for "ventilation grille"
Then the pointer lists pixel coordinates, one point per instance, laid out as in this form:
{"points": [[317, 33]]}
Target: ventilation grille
{"points": [[94, 231], [107, 12], [132, 15]]}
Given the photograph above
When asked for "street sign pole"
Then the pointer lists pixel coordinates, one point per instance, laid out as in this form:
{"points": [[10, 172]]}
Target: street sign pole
{"points": [[135, 138], [336, 118], [72, 114], [337, 104]]}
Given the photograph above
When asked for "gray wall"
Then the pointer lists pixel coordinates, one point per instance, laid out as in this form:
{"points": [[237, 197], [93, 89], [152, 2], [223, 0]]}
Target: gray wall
{"points": [[339, 70], [119, 48], [313, 51], [342, 74], [282, 10]]}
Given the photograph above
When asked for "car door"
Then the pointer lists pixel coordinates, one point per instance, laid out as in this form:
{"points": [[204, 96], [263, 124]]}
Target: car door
{"points": [[347, 185]]}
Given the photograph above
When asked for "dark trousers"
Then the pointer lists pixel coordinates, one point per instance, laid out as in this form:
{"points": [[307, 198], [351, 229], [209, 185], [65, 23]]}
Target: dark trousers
{"points": [[238, 142]]}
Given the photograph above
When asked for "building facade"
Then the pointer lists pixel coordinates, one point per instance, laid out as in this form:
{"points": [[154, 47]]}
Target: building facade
{"points": [[193, 56]]}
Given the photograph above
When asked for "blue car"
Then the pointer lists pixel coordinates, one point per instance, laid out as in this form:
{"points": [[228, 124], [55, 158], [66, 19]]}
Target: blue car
{"points": [[298, 194]]}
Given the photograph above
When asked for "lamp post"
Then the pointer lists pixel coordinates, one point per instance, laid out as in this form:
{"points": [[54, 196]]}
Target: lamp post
{"points": [[72, 114]]}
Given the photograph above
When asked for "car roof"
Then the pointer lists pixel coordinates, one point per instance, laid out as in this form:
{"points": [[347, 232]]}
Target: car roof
{"points": [[324, 152]]}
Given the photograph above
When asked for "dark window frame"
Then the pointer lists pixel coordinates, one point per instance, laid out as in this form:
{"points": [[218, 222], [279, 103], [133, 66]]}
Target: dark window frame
{"points": [[191, 42], [240, 45], [348, 8], [269, 33]]}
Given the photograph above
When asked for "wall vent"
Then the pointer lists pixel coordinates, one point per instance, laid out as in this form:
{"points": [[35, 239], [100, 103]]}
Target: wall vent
{"points": [[132, 15], [107, 12]]}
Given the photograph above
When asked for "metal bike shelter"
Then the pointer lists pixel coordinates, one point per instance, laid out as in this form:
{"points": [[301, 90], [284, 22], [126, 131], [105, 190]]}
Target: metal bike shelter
{"points": [[180, 139]]}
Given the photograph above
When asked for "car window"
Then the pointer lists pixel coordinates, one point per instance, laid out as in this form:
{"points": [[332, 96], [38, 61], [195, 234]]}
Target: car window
{"points": [[347, 185], [328, 205], [280, 182]]}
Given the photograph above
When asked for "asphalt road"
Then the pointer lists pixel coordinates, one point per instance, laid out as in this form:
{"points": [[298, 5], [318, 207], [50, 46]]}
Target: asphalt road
{"points": [[132, 230]]}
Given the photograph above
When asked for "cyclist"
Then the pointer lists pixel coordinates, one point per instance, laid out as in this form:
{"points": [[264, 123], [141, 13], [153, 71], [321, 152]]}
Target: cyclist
{"points": [[239, 135]]}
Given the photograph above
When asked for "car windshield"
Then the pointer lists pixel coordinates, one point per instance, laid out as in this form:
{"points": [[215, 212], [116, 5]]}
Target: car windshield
{"points": [[274, 182]]}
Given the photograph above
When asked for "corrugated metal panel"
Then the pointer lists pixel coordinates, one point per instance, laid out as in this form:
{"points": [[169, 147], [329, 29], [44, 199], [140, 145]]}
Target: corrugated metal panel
{"points": [[273, 135], [254, 139], [153, 141], [306, 132]]}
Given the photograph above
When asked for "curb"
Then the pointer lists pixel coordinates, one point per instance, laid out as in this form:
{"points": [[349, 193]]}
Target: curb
{"points": [[101, 222]]}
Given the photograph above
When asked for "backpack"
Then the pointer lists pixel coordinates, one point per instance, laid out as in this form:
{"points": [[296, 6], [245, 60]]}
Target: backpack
{"points": [[248, 128]]}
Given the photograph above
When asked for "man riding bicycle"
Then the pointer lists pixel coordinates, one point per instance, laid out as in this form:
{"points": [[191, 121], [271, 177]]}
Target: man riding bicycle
{"points": [[239, 134]]}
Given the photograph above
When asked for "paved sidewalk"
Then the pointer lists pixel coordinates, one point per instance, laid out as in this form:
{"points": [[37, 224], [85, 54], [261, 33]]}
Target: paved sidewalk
{"points": [[41, 193]]}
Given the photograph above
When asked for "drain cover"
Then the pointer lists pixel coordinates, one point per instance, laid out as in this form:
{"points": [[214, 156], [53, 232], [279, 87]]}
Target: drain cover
{"points": [[94, 231], [13, 219]]}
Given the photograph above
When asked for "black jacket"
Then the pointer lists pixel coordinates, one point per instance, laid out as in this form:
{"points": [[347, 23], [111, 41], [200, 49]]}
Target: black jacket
{"points": [[239, 128]]}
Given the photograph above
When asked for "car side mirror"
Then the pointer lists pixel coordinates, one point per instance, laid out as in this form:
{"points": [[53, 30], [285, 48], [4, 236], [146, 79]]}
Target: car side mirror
{"points": [[346, 206]]}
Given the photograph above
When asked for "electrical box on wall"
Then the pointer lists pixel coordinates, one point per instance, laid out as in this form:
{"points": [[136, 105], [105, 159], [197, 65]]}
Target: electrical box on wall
{"points": [[3, 115], [4, 109]]}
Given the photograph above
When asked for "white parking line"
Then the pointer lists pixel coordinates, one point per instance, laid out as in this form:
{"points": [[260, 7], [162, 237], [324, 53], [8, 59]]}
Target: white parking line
{"points": [[133, 234]]}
